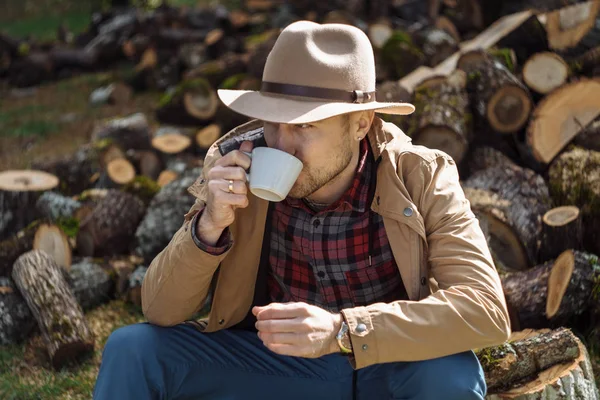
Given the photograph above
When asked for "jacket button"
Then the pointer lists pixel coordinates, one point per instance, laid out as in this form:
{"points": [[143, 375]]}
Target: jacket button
{"points": [[361, 328], [423, 281], [221, 322], [365, 347], [408, 212]]}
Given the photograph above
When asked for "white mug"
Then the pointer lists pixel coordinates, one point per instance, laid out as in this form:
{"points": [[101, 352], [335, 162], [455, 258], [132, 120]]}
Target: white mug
{"points": [[272, 173]]}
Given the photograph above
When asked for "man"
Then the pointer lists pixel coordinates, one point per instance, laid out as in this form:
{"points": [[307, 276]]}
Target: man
{"points": [[371, 280]]}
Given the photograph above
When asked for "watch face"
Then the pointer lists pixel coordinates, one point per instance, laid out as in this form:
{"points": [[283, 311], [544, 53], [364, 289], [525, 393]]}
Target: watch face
{"points": [[346, 341]]}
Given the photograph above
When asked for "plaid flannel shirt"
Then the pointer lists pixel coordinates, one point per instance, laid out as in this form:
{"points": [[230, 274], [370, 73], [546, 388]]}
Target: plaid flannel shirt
{"points": [[322, 257]]}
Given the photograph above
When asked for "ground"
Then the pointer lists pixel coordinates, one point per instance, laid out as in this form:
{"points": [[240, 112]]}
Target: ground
{"points": [[52, 120], [26, 374]]}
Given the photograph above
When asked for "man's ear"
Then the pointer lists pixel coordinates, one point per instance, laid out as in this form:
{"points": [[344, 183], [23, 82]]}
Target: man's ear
{"points": [[364, 122]]}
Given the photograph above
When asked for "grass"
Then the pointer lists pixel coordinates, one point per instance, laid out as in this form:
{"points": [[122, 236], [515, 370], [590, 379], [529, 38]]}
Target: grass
{"points": [[41, 19], [25, 372]]}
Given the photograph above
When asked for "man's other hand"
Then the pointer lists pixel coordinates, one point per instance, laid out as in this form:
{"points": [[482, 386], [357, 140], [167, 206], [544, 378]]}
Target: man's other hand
{"points": [[297, 329]]}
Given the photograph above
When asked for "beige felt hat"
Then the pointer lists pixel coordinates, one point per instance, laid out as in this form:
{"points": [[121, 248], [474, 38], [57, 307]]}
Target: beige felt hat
{"points": [[315, 71]]}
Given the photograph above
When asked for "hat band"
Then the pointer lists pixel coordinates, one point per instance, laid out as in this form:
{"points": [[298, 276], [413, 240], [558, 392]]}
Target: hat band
{"points": [[356, 96]]}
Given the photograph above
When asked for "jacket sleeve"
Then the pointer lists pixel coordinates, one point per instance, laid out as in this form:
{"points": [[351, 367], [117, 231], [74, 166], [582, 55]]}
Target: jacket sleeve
{"points": [[467, 312], [178, 279]]}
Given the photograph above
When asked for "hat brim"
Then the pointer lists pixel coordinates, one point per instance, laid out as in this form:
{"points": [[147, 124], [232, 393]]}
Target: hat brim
{"points": [[284, 110]]}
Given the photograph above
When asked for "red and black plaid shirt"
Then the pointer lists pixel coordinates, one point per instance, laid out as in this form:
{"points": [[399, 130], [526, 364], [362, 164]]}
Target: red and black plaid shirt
{"points": [[322, 258]]}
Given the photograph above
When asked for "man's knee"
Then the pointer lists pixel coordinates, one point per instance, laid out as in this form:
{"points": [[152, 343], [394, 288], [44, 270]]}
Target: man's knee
{"points": [[131, 342], [455, 377]]}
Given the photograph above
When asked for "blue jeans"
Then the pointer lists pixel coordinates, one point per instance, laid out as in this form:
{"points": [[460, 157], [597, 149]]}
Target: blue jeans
{"points": [[145, 361]]}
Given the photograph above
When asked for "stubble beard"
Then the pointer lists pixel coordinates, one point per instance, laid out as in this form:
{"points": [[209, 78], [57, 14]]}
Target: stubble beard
{"points": [[314, 179]]}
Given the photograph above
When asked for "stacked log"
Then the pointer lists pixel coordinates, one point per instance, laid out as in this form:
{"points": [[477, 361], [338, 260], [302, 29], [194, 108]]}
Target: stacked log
{"points": [[165, 215], [574, 179], [37, 236], [514, 199], [19, 191], [109, 228], [443, 121], [553, 293], [498, 96], [60, 318], [90, 283], [552, 363], [17, 322]]}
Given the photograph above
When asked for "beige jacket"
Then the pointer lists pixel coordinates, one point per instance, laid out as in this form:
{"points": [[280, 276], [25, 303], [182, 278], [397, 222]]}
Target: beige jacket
{"points": [[457, 302]]}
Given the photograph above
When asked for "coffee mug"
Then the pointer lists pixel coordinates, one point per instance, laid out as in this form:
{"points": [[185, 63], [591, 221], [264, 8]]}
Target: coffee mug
{"points": [[272, 173]]}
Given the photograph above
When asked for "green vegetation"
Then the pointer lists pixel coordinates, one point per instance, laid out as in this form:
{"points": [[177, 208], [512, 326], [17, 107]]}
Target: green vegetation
{"points": [[30, 120], [26, 374]]}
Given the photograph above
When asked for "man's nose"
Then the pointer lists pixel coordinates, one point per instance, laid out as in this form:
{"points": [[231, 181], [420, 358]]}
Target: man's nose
{"points": [[284, 139]]}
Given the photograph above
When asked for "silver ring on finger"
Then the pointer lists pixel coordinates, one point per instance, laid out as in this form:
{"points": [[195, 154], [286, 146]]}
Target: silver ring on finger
{"points": [[230, 186]]}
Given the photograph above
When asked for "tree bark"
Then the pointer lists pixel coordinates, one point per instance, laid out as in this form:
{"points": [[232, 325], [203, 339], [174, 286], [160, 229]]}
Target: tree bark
{"points": [[574, 179], [562, 229], [60, 318], [443, 120], [54, 206], [31, 70], [498, 96], [40, 236], [109, 229], [131, 132], [134, 294], [194, 102], [515, 199], [17, 322], [76, 172], [19, 191], [539, 365], [552, 294], [589, 138], [164, 215], [90, 283]]}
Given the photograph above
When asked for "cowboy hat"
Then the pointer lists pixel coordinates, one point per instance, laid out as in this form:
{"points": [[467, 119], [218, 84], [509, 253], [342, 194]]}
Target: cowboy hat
{"points": [[314, 71]]}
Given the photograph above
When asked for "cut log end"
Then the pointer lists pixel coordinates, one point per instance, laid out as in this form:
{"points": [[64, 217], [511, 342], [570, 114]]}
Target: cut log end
{"points": [[545, 71], [71, 352], [27, 181], [560, 116], [214, 36], [508, 109], [379, 33], [558, 281], [120, 171], [567, 26], [52, 240], [207, 136], [561, 216], [166, 177], [202, 104], [171, 143]]}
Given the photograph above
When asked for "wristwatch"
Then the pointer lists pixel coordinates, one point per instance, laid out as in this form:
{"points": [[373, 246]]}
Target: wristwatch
{"points": [[343, 339]]}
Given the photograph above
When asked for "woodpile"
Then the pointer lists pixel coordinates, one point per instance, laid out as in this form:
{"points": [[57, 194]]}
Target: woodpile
{"points": [[509, 89]]}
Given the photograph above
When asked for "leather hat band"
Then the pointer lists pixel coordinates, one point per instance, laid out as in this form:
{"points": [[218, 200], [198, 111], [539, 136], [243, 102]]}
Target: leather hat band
{"points": [[356, 96]]}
